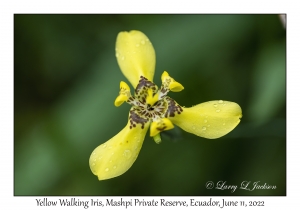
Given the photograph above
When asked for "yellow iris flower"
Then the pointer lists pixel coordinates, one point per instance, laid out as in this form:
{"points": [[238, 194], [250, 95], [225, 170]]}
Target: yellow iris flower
{"points": [[151, 107]]}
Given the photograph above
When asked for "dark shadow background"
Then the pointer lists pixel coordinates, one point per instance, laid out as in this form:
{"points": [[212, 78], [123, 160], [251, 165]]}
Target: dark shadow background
{"points": [[66, 79]]}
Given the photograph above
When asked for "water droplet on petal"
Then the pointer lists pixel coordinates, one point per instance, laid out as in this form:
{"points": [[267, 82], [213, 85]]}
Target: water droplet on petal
{"points": [[205, 121], [215, 105], [194, 127], [208, 125], [122, 58], [223, 123], [94, 153], [114, 167], [93, 164], [142, 42], [127, 153], [218, 110], [104, 145], [204, 128], [107, 169], [137, 45], [117, 54], [220, 101], [112, 153], [99, 158]]}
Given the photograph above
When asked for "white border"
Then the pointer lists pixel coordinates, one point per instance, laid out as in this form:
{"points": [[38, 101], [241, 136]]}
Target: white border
{"points": [[8, 8]]}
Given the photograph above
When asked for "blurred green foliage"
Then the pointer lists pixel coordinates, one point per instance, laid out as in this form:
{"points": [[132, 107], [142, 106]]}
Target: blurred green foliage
{"points": [[66, 79]]}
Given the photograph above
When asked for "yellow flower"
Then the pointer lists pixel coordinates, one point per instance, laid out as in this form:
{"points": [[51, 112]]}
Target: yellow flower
{"points": [[151, 107]]}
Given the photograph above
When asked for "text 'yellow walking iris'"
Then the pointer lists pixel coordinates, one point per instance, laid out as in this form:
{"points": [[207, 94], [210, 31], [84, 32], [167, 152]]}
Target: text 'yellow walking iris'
{"points": [[151, 107]]}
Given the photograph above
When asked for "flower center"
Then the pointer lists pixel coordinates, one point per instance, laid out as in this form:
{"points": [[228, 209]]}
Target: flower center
{"points": [[151, 104]]}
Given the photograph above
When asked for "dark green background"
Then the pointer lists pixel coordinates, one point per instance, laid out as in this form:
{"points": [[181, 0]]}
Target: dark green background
{"points": [[66, 79]]}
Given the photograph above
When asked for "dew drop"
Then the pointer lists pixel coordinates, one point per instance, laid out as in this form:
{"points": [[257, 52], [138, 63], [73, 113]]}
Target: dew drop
{"points": [[94, 153], [95, 159], [117, 54], [220, 101], [204, 128], [223, 123], [114, 167], [194, 127], [215, 105], [109, 147], [142, 42], [107, 169], [112, 153], [137, 45], [99, 158], [208, 125], [104, 145], [218, 110], [122, 58], [205, 121], [127, 153], [93, 164]]}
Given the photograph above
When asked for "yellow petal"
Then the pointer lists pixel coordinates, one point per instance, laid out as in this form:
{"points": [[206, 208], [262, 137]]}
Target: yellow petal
{"points": [[151, 99], [159, 126], [135, 55], [210, 120], [176, 87], [120, 100], [124, 86], [117, 155], [124, 94], [170, 83]]}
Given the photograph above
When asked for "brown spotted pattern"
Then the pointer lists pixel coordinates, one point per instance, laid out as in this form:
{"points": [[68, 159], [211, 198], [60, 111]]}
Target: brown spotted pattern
{"points": [[143, 86], [173, 107], [135, 119], [141, 112]]}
